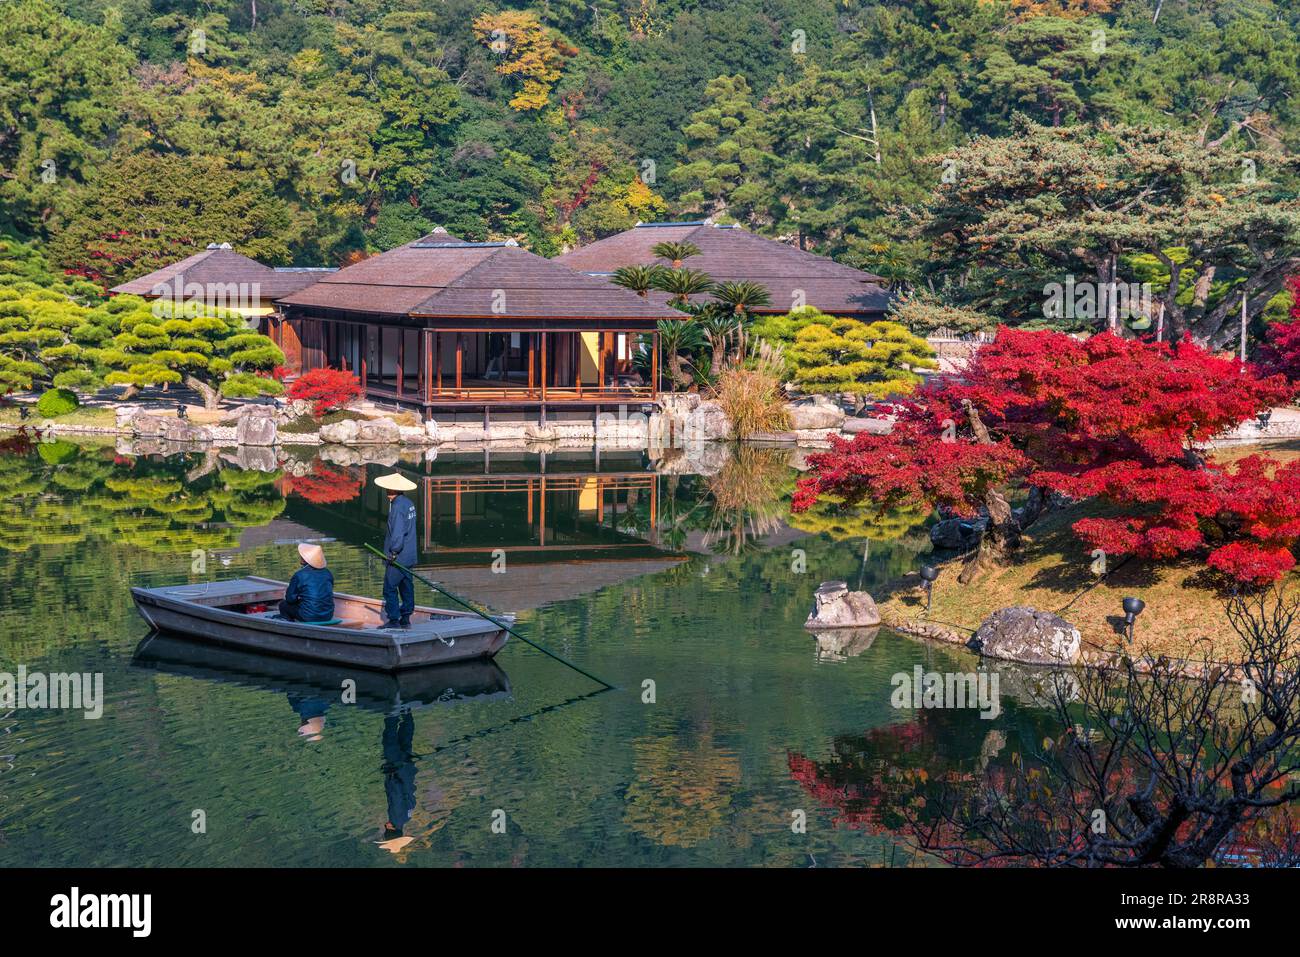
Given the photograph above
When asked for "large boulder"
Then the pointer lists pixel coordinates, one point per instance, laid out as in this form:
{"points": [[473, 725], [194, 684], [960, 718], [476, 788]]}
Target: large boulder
{"points": [[182, 430], [379, 432], [869, 425], [706, 423], [834, 606], [256, 426], [414, 435], [1027, 635], [148, 425], [340, 433], [819, 412], [956, 533]]}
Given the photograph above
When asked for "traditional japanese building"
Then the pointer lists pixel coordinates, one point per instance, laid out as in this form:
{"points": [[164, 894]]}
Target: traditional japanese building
{"points": [[440, 323], [220, 278], [793, 277]]}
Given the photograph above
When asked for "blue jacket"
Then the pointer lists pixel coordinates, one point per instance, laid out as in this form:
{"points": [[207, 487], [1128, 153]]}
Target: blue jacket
{"points": [[313, 589], [401, 531]]}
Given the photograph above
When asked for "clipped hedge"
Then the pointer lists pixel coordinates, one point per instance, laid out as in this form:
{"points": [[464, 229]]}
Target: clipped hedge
{"points": [[56, 402]]}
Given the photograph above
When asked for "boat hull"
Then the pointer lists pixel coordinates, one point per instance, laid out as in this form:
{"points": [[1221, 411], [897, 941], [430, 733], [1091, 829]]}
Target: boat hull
{"points": [[437, 636]]}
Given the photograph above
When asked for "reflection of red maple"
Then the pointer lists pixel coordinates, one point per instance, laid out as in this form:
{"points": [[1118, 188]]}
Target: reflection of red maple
{"points": [[323, 486], [883, 781], [20, 443]]}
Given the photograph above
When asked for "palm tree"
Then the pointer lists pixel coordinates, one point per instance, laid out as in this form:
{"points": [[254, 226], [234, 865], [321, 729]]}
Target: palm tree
{"points": [[676, 253], [742, 297], [719, 326], [640, 279], [677, 336], [681, 284]]}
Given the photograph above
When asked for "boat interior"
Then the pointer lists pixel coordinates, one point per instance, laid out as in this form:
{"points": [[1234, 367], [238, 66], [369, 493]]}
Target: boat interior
{"points": [[260, 597]]}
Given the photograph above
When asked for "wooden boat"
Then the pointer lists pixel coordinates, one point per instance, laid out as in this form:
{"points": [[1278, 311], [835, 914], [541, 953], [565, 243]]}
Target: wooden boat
{"points": [[242, 613], [387, 693]]}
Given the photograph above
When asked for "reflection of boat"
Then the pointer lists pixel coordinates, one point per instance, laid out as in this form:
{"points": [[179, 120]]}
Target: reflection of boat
{"points": [[388, 693], [239, 613]]}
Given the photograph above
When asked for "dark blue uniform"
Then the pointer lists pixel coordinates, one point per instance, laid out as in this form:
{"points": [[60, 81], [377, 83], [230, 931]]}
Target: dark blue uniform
{"points": [[310, 595], [399, 589]]}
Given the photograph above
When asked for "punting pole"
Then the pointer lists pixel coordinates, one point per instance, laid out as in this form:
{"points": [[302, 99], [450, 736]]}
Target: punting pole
{"points": [[500, 624]]}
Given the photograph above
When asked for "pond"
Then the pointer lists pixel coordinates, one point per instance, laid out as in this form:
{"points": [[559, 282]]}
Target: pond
{"points": [[730, 724]]}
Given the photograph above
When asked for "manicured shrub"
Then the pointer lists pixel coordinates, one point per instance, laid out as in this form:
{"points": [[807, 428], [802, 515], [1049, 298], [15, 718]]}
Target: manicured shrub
{"points": [[56, 402], [326, 389]]}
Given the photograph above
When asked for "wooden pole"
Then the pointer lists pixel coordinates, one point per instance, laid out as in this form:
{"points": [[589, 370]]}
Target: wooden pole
{"points": [[401, 361], [600, 361], [545, 337], [654, 369], [500, 624], [460, 361], [532, 359], [427, 366]]}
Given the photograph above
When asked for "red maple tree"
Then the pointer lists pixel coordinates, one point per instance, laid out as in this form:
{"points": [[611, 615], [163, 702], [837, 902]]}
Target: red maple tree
{"points": [[328, 389], [1119, 419], [1280, 350]]}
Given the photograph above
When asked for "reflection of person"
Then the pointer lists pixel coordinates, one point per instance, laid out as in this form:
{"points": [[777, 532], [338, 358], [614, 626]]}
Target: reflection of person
{"points": [[310, 595], [399, 546], [311, 715], [399, 779]]}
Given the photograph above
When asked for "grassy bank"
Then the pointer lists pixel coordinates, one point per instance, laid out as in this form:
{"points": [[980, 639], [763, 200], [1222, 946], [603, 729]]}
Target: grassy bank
{"points": [[1185, 606], [87, 415]]}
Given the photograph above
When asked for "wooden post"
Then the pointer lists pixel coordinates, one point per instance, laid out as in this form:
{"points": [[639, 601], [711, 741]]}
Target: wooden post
{"points": [[401, 360], [460, 361], [437, 359], [426, 367], [654, 368], [532, 355], [600, 362], [545, 337]]}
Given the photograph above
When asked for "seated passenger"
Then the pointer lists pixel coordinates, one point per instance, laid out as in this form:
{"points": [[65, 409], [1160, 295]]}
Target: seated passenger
{"points": [[310, 595]]}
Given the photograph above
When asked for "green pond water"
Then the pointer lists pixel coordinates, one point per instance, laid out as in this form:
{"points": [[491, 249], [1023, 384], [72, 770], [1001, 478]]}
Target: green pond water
{"points": [[697, 583]]}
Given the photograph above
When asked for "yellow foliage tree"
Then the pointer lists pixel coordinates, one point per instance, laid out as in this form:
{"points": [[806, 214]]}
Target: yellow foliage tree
{"points": [[528, 50]]}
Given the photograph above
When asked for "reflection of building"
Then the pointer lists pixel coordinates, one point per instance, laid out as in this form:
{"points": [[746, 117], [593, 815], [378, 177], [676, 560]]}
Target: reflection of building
{"points": [[554, 526], [792, 276], [441, 323]]}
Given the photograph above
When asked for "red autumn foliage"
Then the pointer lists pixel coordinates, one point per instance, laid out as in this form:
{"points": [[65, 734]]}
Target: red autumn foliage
{"points": [[1102, 417], [328, 389], [1280, 351]]}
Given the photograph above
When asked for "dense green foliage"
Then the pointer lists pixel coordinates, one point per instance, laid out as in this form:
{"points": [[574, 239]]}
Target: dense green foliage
{"points": [[830, 354], [61, 331], [304, 132]]}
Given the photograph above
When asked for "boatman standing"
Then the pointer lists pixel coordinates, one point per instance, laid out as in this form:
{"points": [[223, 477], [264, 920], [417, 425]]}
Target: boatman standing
{"points": [[399, 546]]}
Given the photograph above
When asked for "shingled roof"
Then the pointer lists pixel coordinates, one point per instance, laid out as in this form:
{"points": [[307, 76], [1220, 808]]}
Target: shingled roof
{"points": [[732, 254], [221, 265], [439, 276]]}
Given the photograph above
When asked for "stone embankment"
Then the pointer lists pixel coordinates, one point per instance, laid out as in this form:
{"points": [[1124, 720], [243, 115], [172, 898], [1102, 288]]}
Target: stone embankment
{"points": [[684, 421]]}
